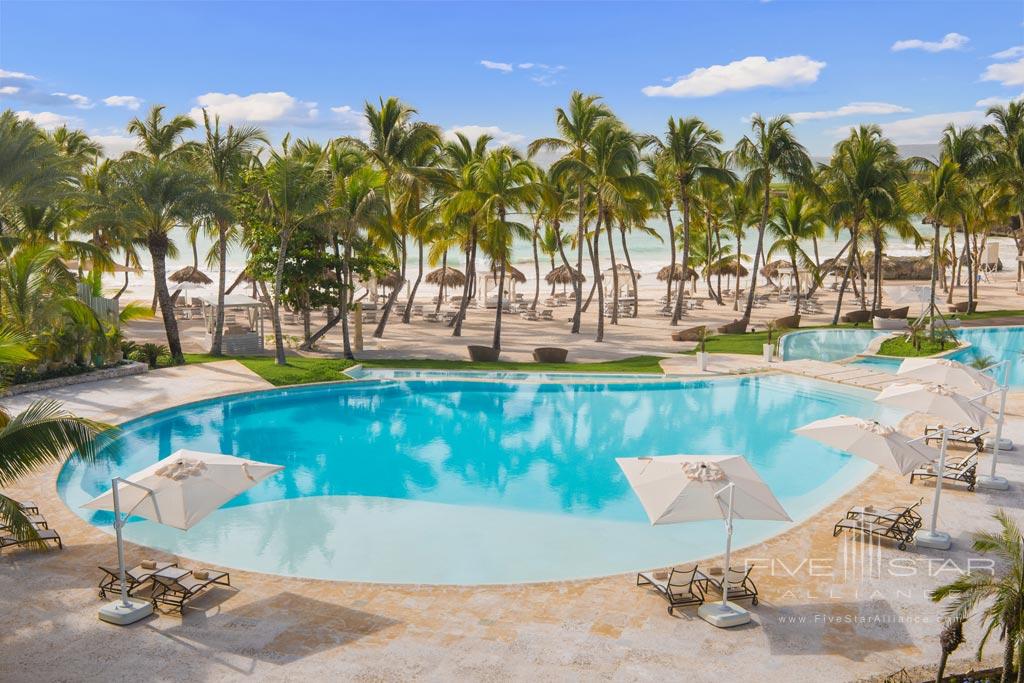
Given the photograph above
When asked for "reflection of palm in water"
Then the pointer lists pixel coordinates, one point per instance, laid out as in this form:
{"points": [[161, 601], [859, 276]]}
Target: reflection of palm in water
{"points": [[539, 447]]}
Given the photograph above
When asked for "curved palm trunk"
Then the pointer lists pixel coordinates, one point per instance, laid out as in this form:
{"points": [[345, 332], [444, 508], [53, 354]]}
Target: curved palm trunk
{"points": [[935, 277], [952, 262], [876, 294], [718, 240], [275, 309], [580, 238], [378, 332], [467, 289], [817, 281], [346, 292], [846, 274], [677, 311], [766, 203], [672, 257], [441, 287], [552, 255], [222, 276], [596, 282], [536, 267], [158, 253], [615, 274], [341, 315], [407, 315], [796, 281], [124, 287], [968, 256], [736, 294], [599, 337], [496, 342], [632, 273]]}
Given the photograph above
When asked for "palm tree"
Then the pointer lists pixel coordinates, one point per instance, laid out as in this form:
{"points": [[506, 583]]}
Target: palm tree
{"points": [[32, 169], [157, 138], [223, 155], [861, 180], [771, 152], [939, 197], [295, 187], [44, 433], [738, 214], [660, 167], [691, 148], [1002, 590], [576, 126], [1005, 140], [397, 145], [504, 184], [794, 220], [966, 148], [149, 199]]}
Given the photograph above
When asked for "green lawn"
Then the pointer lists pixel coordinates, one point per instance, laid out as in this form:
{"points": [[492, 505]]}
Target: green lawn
{"points": [[301, 370], [751, 342], [985, 315], [902, 348]]}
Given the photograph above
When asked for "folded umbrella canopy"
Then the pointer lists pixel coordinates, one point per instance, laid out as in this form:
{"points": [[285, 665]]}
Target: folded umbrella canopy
{"points": [[955, 375], [691, 488], [873, 441], [178, 491]]}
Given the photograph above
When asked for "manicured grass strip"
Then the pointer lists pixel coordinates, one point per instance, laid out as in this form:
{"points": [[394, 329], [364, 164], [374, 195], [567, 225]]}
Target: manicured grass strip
{"points": [[298, 370], [751, 343], [985, 315], [902, 348], [633, 365]]}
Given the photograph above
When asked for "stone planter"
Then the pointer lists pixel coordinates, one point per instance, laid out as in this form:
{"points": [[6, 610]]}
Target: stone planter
{"points": [[702, 360], [767, 352], [125, 370]]}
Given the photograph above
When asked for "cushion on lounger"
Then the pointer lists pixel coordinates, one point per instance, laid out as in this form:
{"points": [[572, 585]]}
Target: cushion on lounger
{"points": [[148, 564], [661, 575], [201, 574]]}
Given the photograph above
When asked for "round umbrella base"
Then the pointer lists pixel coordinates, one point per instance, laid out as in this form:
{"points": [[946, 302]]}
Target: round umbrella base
{"points": [[116, 612], [1004, 444], [993, 483], [723, 616], [939, 540]]}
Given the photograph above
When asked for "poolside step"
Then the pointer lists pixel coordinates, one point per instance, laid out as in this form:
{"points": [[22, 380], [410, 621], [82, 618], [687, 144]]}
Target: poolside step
{"points": [[853, 375]]}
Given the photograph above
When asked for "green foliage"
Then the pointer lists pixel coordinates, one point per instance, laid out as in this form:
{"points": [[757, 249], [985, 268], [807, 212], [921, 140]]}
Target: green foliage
{"points": [[151, 353]]}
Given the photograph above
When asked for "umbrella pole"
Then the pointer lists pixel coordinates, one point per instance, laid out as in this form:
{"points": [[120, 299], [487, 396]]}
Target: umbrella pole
{"points": [[992, 481], [120, 542], [728, 549], [933, 538]]}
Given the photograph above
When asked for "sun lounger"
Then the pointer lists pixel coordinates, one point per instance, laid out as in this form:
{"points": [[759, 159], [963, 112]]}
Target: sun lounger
{"points": [[906, 514], [681, 586], [528, 315], [960, 434], [961, 470], [740, 585], [44, 535], [547, 314], [901, 529], [28, 507], [135, 577], [176, 593]]}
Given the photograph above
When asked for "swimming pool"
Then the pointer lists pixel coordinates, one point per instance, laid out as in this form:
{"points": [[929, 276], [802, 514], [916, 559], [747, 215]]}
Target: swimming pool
{"points": [[882, 363], [997, 344], [827, 344], [361, 372], [459, 482]]}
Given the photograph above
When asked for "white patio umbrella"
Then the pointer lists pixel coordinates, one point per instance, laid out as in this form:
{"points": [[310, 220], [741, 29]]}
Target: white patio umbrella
{"points": [[976, 384], [955, 375], [179, 491], [941, 401], [873, 441], [690, 488], [934, 399]]}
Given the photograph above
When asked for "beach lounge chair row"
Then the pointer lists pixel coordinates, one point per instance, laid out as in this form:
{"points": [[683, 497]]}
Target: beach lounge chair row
{"points": [[44, 534], [687, 585], [895, 523], [961, 470], [170, 586]]}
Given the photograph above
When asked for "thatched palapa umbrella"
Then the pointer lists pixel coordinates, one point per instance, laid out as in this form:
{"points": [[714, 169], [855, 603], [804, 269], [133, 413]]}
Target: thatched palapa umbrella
{"points": [[446, 277], [676, 273], [190, 275], [563, 275], [391, 280], [727, 267], [510, 271]]}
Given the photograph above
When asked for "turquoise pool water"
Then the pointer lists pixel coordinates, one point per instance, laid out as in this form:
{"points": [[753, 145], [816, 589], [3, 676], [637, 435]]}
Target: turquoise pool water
{"points": [[827, 345], [466, 482], [996, 343], [883, 363]]}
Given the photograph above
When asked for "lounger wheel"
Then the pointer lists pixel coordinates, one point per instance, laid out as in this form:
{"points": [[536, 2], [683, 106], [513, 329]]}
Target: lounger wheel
{"points": [[754, 602], [670, 609], [901, 545]]}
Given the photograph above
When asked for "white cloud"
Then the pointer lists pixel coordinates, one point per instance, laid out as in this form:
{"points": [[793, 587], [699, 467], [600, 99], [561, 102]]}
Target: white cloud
{"points": [[1006, 73], [18, 75], [79, 101], [114, 145], [496, 66], [851, 109], [1010, 52], [129, 101], [9, 90], [750, 72], [997, 101], [527, 65], [48, 120], [950, 41], [927, 128], [352, 121], [500, 136], [257, 107]]}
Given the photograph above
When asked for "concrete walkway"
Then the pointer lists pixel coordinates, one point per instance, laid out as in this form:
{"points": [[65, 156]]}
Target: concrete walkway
{"points": [[853, 375]]}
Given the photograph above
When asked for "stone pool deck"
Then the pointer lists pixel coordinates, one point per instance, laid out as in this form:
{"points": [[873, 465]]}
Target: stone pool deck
{"points": [[830, 610]]}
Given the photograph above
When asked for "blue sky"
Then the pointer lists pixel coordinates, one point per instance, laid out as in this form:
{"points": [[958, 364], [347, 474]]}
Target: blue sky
{"points": [[308, 67]]}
